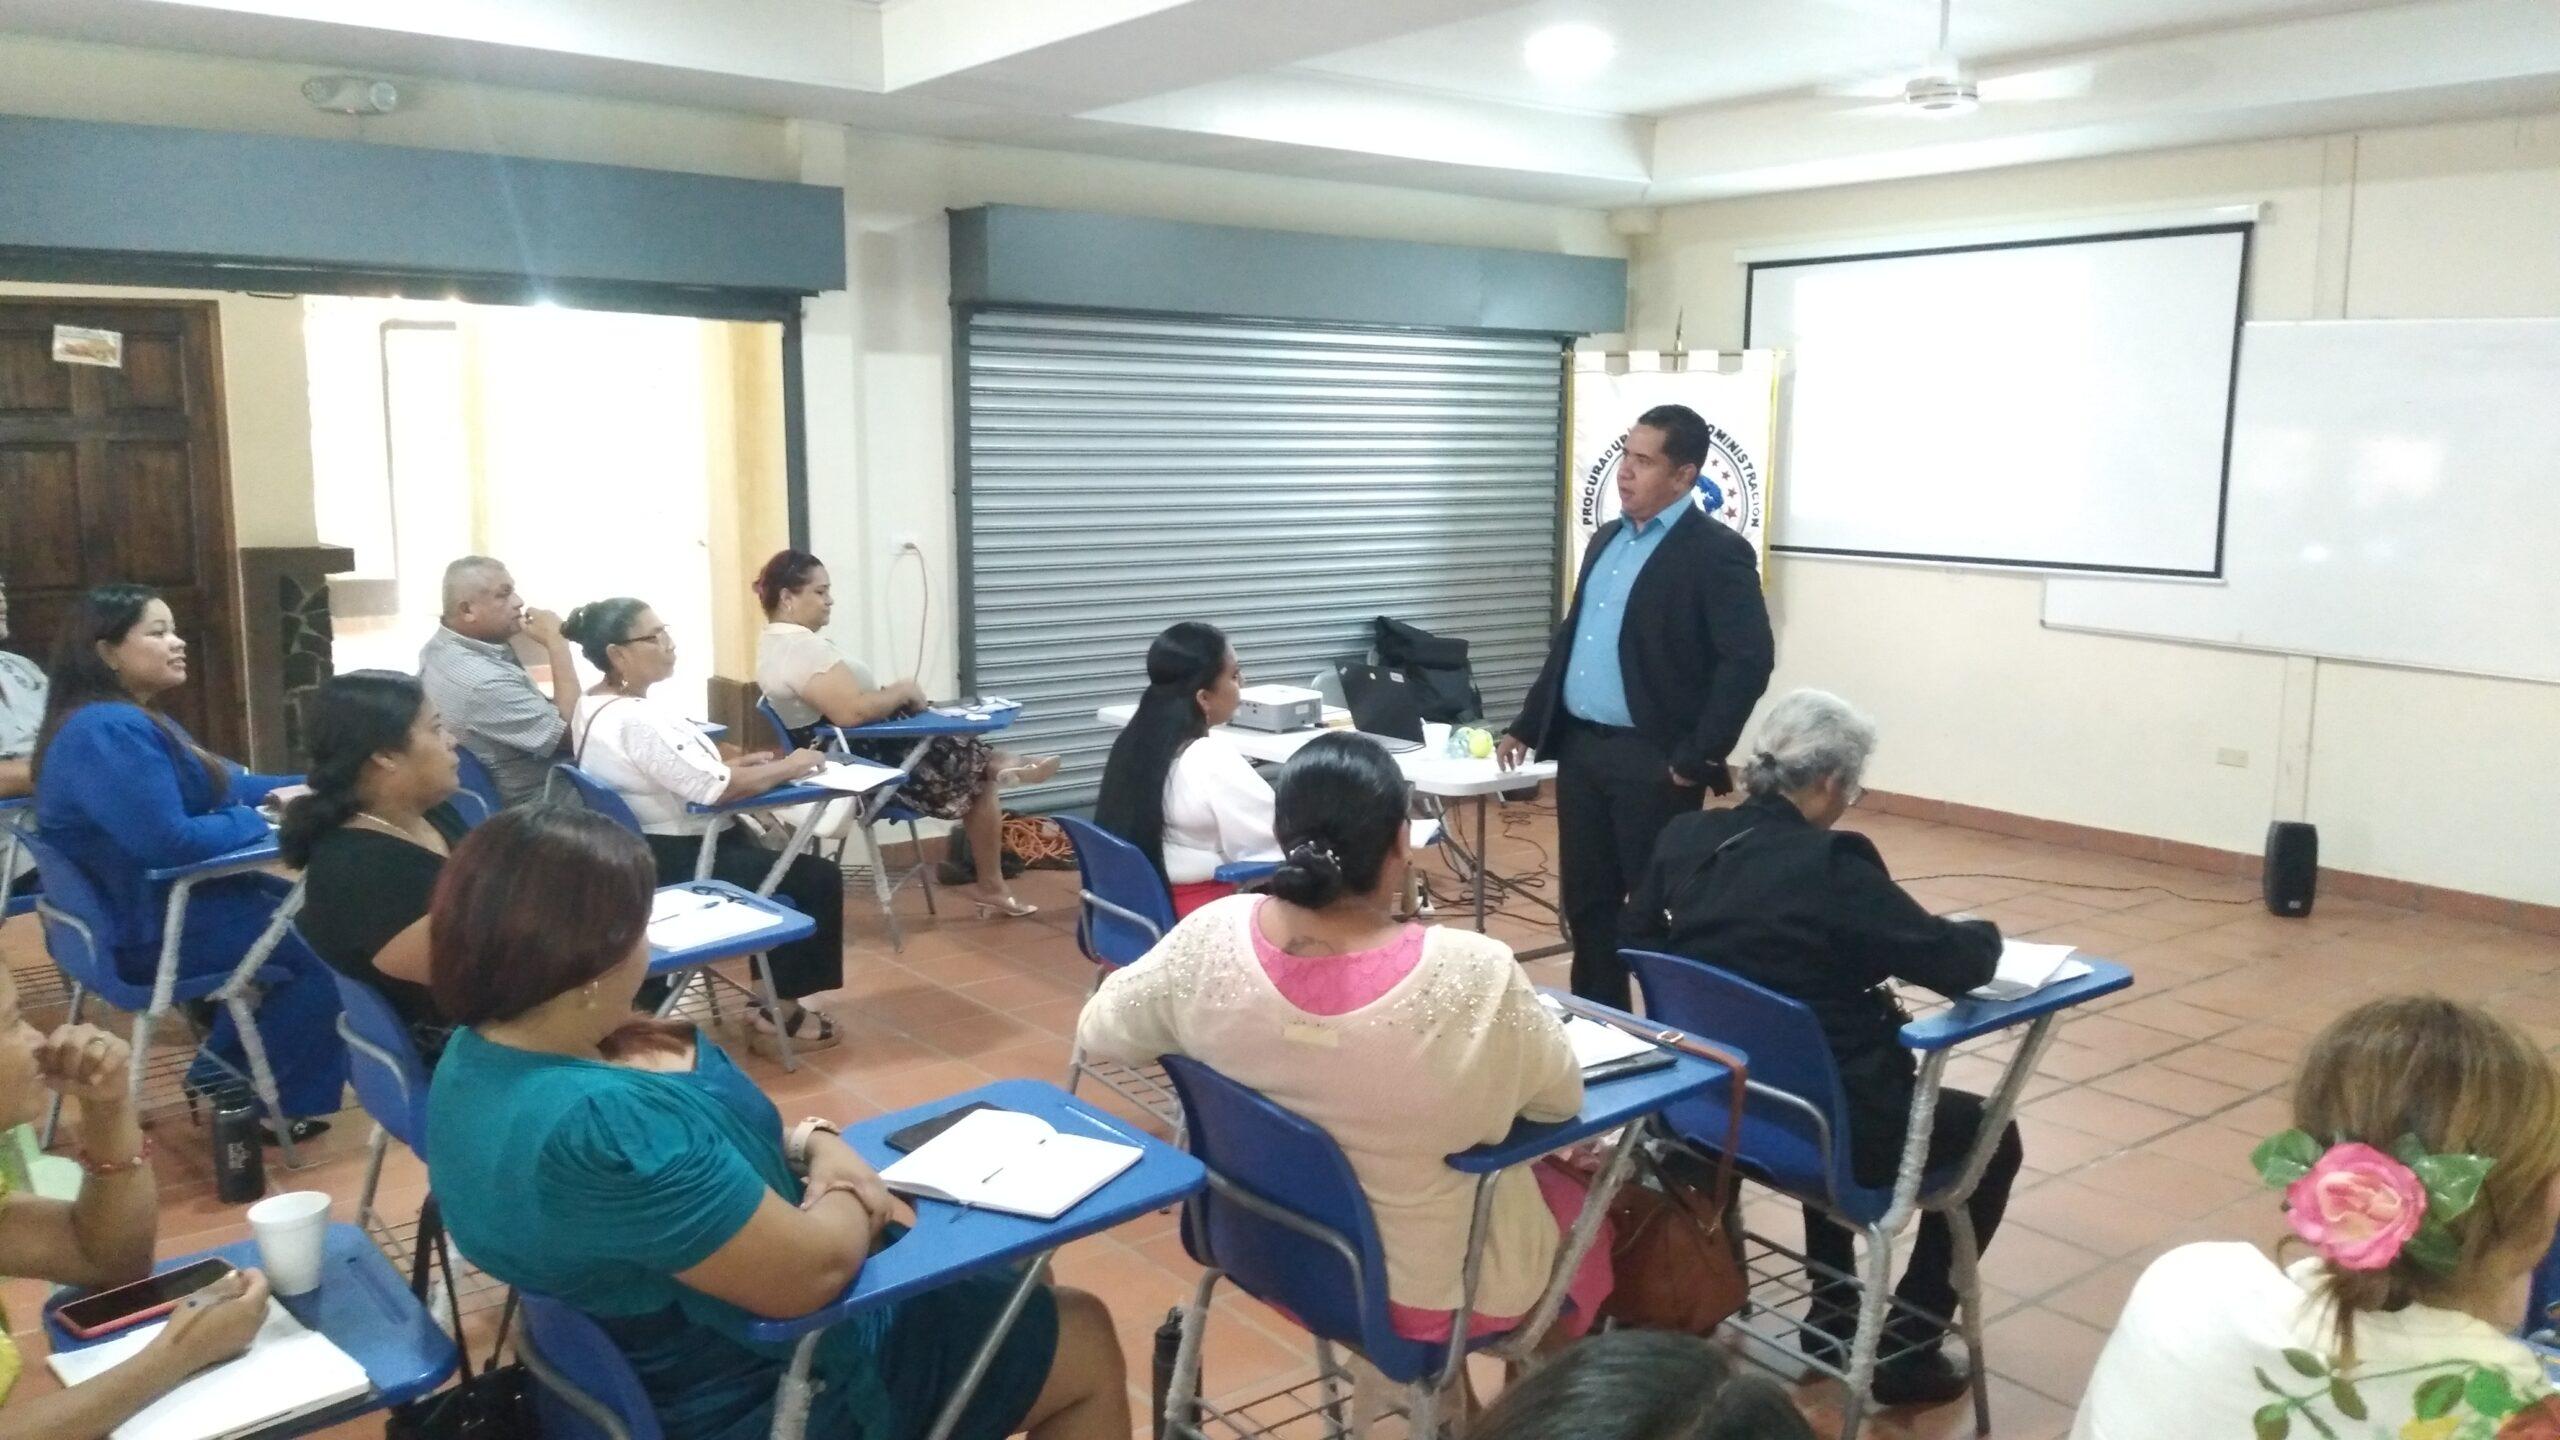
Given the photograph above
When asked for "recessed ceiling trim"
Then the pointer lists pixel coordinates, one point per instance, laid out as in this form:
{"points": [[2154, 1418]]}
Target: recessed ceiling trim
{"points": [[2107, 223]]}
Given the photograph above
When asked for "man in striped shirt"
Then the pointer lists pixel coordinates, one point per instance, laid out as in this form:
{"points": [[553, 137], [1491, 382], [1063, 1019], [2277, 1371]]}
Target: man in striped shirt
{"points": [[471, 671]]}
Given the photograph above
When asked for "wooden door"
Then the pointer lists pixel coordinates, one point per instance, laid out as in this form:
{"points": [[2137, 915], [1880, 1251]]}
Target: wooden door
{"points": [[117, 474]]}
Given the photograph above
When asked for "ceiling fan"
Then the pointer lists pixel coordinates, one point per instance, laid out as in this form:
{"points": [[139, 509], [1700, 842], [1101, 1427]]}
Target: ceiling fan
{"points": [[1943, 86]]}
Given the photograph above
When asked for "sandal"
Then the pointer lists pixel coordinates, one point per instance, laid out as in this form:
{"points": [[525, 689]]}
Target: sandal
{"points": [[1028, 772], [1007, 905], [809, 1030]]}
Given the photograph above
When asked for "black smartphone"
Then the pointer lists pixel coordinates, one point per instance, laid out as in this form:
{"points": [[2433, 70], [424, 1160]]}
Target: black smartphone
{"points": [[125, 1306], [914, 1136]]}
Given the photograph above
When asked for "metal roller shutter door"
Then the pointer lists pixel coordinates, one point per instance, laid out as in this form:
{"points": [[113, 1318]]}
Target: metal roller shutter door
{"points": [[1284, 482]]}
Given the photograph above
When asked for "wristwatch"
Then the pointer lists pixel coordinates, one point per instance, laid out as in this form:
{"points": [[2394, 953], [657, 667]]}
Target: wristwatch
{"points": [[796, 1149]]}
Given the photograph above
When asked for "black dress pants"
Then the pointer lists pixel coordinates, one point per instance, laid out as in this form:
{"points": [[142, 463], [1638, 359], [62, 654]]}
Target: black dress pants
{"points": [[1928, 1278], [1613, 796], [811, 886]]}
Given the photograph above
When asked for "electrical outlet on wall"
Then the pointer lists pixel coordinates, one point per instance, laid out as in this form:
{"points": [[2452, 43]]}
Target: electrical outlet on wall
{"points": [[2237, 759]]}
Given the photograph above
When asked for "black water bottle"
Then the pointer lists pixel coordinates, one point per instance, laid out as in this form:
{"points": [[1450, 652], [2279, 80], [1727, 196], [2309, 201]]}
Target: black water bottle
{"points": [[239, 1166], [1168, 1348]]}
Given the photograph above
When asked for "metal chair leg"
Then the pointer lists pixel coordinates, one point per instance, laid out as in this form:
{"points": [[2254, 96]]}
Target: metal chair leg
{"points": [[1874, 1298], [1336, 1387], [261, 1078], [1182, 1390], [1969, 1312], [375, 1151], [924, 868], [881, 890]]}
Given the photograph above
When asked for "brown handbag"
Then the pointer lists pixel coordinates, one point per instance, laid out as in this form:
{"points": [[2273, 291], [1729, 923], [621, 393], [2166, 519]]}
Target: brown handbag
{"points": [[1676, 1249]]}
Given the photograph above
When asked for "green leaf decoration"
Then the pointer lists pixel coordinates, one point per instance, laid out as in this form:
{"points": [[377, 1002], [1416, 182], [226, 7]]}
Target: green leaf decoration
{"points": [[2436, 1398], [2306, 1363], [2434, 1246], [2408, 1150], [2452, 1181], [2285, 1157], [2320, 1425], [2488, 1392], [2343, 1395], [2273, 1422]]}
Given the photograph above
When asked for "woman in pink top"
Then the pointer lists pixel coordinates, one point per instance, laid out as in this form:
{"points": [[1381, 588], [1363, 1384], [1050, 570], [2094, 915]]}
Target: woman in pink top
{"points": [[1405, 1043]]}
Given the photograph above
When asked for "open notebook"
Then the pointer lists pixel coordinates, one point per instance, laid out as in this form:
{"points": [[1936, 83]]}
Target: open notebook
{"points": [[287, 1371], [853, 777], [1006, 1160], [1605, 1052], [2027, 967], [680, 919]]}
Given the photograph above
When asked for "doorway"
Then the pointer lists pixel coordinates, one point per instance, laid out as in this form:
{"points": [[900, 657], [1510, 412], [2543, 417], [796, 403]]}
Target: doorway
{"points": [[114, 470], [597, 453]]}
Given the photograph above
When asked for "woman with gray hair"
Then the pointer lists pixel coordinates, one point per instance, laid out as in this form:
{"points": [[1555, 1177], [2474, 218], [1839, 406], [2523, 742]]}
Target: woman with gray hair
{"points": [[1769, 891]]}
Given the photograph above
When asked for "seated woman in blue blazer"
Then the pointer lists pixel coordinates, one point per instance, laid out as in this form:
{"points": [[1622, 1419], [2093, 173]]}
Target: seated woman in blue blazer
{"points": [[122, 789]]}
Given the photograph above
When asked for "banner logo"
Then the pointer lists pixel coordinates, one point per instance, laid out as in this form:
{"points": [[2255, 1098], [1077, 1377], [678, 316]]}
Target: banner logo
{"points": [[1728, 485]]}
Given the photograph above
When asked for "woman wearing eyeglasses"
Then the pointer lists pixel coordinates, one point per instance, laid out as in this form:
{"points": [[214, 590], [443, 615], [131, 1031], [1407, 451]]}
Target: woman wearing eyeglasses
{"points": [[660, 762]]}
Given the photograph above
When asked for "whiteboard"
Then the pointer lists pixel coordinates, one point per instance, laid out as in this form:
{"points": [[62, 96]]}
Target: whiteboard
{"points": [[2395, 498], [2051, 404]]}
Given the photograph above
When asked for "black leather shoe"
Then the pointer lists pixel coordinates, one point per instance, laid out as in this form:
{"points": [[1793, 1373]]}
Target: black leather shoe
{"points": [[1927, 1378]]}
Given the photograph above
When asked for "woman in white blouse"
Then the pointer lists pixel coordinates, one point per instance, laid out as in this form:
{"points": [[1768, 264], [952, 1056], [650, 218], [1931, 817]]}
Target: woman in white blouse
{"points": [[1183, 796], [659, 762], [811, 683], [2398, 1320]]}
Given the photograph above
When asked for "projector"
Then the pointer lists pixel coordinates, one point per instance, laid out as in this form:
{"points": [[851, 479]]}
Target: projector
{"points": [[1278, 707]]}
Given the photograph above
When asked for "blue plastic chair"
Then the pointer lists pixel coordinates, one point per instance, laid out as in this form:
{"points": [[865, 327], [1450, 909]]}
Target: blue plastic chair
{"points": [[477, 781], [473, 807], [592, 793], [1284, 1218], [1795, 1140], [584, 1389], [79, 937], [390, 1082], [1125, 910], [878, 808], [1126, 907]]}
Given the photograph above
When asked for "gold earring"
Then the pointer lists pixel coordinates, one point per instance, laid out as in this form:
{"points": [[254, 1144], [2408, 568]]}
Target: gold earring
{"points": [[591, 994]]}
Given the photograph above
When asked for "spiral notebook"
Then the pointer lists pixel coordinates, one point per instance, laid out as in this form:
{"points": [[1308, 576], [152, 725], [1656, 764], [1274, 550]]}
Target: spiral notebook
{"points": [[1006, 1160], [287, 1371]]}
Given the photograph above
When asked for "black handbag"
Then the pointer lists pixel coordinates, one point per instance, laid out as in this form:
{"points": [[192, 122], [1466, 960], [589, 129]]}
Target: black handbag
{"points": [[1444, 685], [494, 1404]]}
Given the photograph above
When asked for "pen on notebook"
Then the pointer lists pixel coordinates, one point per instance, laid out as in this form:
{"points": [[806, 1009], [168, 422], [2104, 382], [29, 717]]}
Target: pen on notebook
{"points": [[1106, 1126]]}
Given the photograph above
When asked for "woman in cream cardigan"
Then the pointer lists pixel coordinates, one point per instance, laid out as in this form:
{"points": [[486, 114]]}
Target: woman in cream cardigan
{"points": [[1405, 1043]]}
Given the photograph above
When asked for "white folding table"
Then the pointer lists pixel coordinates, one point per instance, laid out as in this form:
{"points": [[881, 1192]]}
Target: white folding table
{"points": [[1443, 777]]}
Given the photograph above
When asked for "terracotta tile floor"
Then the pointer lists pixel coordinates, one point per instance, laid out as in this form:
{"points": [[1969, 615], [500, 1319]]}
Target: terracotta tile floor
{"points": [[2137, 1129]]}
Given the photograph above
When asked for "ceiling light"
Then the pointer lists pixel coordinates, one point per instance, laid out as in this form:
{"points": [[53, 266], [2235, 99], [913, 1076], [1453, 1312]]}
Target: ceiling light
{"points": [[1564, 53]]}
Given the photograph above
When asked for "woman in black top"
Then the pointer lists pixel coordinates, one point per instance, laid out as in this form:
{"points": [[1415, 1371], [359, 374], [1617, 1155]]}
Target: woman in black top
{"points": [[1767, 890], [372, 836]]}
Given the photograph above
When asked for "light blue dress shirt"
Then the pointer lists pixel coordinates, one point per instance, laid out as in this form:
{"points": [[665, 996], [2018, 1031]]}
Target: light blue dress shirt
{"points": [[1595, 685]]}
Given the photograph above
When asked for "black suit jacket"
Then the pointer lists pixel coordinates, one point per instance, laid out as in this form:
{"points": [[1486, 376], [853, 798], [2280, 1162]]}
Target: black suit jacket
{"points": [[1814, 915], [1695, 648]]}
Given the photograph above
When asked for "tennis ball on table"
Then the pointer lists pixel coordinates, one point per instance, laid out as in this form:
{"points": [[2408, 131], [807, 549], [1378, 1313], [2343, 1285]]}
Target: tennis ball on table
{"points": [[1479, 743]]}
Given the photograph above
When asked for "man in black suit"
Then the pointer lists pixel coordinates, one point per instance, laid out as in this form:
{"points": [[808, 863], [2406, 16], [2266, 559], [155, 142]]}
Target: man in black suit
{"points": [[1647, 684]]}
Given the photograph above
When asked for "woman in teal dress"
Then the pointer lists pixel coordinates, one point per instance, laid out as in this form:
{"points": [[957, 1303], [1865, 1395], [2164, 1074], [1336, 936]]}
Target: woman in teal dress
{"points": [[626, 1167]]}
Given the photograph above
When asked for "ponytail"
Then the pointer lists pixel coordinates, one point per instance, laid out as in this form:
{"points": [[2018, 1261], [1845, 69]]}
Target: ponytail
{"points": [[352, 718], [1185, 660], [1337, 810]]}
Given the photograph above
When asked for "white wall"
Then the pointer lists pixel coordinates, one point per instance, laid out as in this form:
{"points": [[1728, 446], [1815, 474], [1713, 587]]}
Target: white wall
{"points": [[2442, 780], [878, 358]]}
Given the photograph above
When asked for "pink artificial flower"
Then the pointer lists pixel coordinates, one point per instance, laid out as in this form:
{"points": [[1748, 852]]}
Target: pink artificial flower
{"points": [[2357, 1207]]}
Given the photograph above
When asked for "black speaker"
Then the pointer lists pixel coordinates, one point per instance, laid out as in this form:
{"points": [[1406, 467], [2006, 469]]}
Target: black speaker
{"points": [[2292, 868]]}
